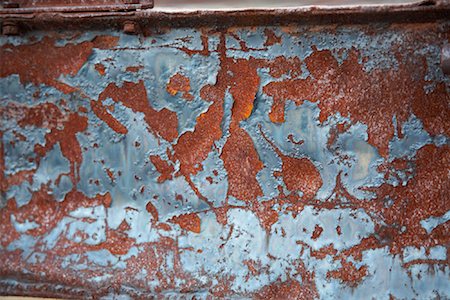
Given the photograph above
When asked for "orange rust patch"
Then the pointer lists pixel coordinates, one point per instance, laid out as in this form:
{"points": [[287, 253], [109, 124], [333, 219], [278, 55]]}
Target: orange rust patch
{"points": [[28, 61], [370, 98], [323, 252], [190, 222], [291, 289], [134, 96], [102, 113], [433, 110], [284, 66], [242, 164], [426, 195], [100, 69], [193, 147], [45, 115], [44, 210], [179, 83], [133, 69], [162, 167], [244, 81], [153, 211], [317, 232], [299, 174]]}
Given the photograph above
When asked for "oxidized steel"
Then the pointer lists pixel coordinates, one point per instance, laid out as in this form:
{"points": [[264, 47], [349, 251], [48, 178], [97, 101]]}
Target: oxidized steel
{"points": [[286, 162]]}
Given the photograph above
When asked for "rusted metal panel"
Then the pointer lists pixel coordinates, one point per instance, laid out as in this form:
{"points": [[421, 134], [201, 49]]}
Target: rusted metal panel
{"points": [[74, 6], [278, 162]]}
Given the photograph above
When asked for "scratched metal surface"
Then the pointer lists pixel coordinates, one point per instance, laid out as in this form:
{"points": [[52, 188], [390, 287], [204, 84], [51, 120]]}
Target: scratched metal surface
{"points": [[288, 162]]}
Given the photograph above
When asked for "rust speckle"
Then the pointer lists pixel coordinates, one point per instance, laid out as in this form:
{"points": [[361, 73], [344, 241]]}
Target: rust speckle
{"points": [[317, 232]]}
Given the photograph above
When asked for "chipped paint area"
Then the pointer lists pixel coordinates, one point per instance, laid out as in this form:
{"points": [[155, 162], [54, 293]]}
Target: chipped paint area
{"points": [[267, 162]]}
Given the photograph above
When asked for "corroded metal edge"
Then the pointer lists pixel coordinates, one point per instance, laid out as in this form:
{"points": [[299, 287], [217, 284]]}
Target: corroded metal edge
{"points": [[425, 11]]}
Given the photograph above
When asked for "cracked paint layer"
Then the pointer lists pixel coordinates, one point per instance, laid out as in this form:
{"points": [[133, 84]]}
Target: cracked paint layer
{"points": [[294, 162]]}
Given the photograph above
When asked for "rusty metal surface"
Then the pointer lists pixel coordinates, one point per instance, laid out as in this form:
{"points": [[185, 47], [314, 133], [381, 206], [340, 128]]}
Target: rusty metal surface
{"points": [[275, 162], [73, 6], [51, 18]]}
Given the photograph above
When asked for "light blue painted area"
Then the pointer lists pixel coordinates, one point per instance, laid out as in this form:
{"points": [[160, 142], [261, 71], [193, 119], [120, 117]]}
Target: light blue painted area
{"points": [[92, 231], [377, 49], [415, 137], [412, 253], [25, 243], [433, 222], [386, 276], [355, 225], [18, 151], [102, 258], [25, 226], [65, 185], [51, 167], [221, 252], [212, 186], [359, 167], [226, 248]]}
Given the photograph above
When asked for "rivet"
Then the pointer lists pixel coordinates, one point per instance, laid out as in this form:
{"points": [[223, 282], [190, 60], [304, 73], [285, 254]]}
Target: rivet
{"points": [[10, 28], [130, 27]]}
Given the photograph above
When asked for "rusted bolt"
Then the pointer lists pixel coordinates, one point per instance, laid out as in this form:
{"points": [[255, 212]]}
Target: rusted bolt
{"points": [[10, 28], [10, 4], [130, 27], [445, 59]]}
